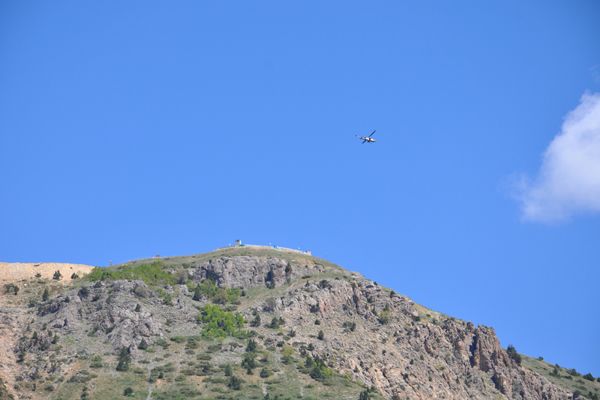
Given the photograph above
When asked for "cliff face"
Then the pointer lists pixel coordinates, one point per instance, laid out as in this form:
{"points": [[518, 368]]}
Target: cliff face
{"points": [[363, 332]]}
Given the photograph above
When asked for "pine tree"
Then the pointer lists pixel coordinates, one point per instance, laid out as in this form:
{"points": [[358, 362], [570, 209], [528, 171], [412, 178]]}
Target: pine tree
{"points": [[513, 354], [197, 293], [124, 360], [255, 321], [251, 346]]}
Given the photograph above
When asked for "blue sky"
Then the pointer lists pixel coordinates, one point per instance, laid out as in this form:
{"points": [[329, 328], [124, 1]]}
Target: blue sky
{"points": [[129, 129]]}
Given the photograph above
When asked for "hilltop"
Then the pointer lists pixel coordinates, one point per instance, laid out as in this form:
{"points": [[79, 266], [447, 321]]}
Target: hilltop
{"points": [[250, 323], [14, 272]]}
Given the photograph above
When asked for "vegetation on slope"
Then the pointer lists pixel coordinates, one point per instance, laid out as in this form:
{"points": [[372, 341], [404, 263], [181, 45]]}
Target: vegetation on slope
{"points": [[152, 274], [568, 378], [206, 360]]}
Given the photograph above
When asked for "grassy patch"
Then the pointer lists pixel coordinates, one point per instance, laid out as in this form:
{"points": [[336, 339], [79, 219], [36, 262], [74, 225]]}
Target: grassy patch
{"points": [[563, 377], [152, 274]]}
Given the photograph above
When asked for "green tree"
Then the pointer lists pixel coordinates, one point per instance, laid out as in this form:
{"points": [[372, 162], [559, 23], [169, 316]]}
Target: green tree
{"points": [[256, 320], [228, 371], [197, 293], [589, 377], [219, 323], [276, 322], [45, 294], [270, 279], [143, 345], [128, 392], [124, 360], [513, 354], [234, 383], [321, 335], [249, 362], [317, 369], [251, 347], [57, 276]]}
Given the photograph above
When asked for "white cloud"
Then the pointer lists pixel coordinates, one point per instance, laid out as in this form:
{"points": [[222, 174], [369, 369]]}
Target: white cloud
{"points": [[568, 182]]}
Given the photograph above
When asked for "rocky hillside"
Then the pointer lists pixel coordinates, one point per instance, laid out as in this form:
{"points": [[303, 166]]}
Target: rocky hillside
{"points": [[245, 323]]}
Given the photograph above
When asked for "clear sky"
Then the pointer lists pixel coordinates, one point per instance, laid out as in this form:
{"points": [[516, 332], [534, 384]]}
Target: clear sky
{"points": [[129, 129]]}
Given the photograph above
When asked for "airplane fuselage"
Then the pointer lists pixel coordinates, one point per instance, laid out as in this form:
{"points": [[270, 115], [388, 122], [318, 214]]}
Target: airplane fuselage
{"points": [[367, 139]]}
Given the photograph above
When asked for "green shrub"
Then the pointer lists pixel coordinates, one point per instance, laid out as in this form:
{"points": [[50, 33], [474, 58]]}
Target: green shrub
{"points": [[287, 353], [512, 353], [11, 288], [220, 324], [349, 326], [96, 362], [151, 274], [364, 395], [276, 322], [166, 297], [317, 369], [128, 392], [265, 373], [197, 293], [45, 294], [57, 276], [385, 315], [321, 335], [216, 294]]}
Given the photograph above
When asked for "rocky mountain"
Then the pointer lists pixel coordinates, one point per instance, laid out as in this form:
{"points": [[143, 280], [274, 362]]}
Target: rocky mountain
{"points": [[248, 323]]}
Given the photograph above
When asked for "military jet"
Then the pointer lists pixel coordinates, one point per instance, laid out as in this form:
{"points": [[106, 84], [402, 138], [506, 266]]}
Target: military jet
{"points": [[367, 139]]}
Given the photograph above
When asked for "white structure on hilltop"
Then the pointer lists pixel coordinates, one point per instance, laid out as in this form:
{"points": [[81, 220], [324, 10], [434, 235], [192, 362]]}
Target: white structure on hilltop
{"points": [[238, 243]]}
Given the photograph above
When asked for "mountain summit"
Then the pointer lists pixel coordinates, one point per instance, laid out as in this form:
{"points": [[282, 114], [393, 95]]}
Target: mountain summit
{"points": [[247, 323]]}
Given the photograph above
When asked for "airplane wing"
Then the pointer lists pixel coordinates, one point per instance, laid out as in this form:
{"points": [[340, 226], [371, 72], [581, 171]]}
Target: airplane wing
{"points": [[364, 141], [371, 133]]}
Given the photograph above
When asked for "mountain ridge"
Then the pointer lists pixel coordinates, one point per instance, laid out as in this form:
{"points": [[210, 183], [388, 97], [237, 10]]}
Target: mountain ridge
{"points": [[332, 326]]}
